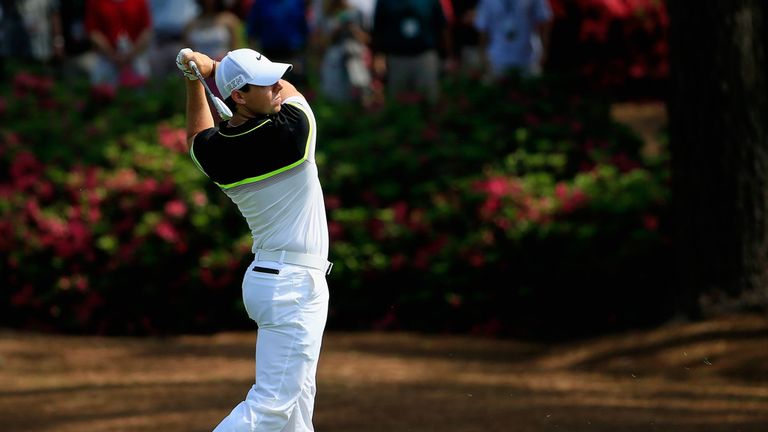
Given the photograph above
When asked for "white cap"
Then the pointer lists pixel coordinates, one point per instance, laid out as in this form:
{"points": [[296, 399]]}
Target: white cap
{"points": [[246, 66]]}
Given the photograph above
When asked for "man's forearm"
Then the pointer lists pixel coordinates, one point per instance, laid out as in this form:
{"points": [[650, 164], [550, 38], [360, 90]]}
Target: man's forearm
{"points": [[199, 117]]}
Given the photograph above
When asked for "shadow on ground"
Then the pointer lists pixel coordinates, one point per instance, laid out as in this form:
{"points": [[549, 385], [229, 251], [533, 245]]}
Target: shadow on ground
{"points": [[710, 376]]}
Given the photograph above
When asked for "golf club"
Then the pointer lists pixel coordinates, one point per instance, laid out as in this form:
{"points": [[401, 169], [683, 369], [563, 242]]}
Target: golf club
{"points": [[224, 112]]}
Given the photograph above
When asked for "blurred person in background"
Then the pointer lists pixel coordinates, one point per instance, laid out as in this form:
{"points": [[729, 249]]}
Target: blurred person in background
{"points": [[78, 55], [466, 38], [345, 70], [169, 18], [239, 7], [365, 7], [216, 31], [42, 19], [316, 17], [407, 38], [32, 31], [279, 29], [121, 32], [514, 36], [14, 41]]}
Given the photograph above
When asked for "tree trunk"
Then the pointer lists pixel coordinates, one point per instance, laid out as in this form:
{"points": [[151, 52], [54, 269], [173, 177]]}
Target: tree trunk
{"points": [[718, 112]]}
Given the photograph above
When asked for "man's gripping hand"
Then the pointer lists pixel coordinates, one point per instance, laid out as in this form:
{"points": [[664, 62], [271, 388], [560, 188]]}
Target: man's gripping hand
{"points": [[182, 63], [204, 63]]}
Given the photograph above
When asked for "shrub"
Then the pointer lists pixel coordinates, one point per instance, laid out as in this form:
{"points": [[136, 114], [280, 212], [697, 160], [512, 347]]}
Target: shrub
{"points": [[514, 209], [618, 46]]}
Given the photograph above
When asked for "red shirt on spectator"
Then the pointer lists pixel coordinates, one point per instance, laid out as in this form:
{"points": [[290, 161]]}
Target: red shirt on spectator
{"points": [[115, 17]]}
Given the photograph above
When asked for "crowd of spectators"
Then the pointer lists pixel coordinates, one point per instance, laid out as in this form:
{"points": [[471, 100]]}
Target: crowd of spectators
{"points": [[359, 50]]}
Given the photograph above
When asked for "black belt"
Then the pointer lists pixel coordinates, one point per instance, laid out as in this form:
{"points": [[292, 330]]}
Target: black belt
{"points": [[266, 270]]}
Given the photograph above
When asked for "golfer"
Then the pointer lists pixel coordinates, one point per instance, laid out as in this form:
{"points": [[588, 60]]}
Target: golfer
{"points": [[263, 158]]}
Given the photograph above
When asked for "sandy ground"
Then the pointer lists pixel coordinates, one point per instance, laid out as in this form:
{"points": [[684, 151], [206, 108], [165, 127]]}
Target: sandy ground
{"points": [[648, 119], [710, 377]]}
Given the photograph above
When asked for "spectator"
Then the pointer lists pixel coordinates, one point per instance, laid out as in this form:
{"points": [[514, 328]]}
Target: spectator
{"points": [[345, 71], [42, 19], [279, 29], [216, 31], [14, 40], [466, 39], [32, 31], [169, 18], [76, 42], [365, 7], [407, 37], [120, 31], [514, 35]]}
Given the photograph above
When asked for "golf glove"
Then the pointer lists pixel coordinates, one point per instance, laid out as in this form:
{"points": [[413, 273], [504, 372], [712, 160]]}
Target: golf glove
{"points": [[184, 67]]}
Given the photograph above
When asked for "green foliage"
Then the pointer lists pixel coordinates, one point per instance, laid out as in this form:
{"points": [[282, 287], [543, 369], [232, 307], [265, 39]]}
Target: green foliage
{"points": [[514, 209]]}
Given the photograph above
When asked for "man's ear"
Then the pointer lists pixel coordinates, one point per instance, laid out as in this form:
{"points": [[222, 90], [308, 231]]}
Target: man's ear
{"points": [[237, 97]]}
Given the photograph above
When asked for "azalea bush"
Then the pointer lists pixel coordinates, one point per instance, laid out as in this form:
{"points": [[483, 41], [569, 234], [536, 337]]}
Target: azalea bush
{"points": [[513, 209], [615, 45], [106, 225], [509, 217]]}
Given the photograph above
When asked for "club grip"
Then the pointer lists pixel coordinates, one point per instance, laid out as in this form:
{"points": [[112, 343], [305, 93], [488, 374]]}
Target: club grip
{"points": [[193, 65]]}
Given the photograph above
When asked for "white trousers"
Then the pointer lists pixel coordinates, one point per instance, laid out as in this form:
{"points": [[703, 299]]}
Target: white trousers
{"points": [[290, 309]]}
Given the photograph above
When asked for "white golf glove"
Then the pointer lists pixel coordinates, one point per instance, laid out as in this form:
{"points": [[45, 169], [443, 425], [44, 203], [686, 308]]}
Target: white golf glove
{"points": [[184, 67]]}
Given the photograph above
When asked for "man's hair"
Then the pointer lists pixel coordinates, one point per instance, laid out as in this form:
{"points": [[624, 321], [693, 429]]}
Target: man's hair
{"points": [[232, 105]]}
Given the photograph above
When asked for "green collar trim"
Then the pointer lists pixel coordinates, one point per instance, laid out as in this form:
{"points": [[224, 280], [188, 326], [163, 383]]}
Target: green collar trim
{"points": [[279, 170]]}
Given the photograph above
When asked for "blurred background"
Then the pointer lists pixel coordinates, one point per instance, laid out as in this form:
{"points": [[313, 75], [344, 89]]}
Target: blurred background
{"points": [[604, 172]]}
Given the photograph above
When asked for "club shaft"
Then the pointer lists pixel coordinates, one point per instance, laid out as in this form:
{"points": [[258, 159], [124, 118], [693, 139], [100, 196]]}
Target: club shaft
{"points": [[201, 79], [222, 109]]}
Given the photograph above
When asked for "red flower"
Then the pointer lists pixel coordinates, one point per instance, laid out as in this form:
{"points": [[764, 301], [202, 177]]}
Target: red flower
{"points": [[400, 210], [623, 162], [453, 299], [532, 119], [23, 297], [103, 92], [94, 214], [397, 262], [476, 259], [124, 179], [650, 222], [129, 78], [172, 138], [377, 229], [175, 208], [495, 186], [148, 187], [199, 198], [490, 206], [332, 202], [25, 170], [166, 231], [44, 189], [430, 133], [335, 230]]}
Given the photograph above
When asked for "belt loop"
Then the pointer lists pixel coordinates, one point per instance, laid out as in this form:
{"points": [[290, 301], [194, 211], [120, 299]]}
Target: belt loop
{"points": [[258, 251], [282, 256]]}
